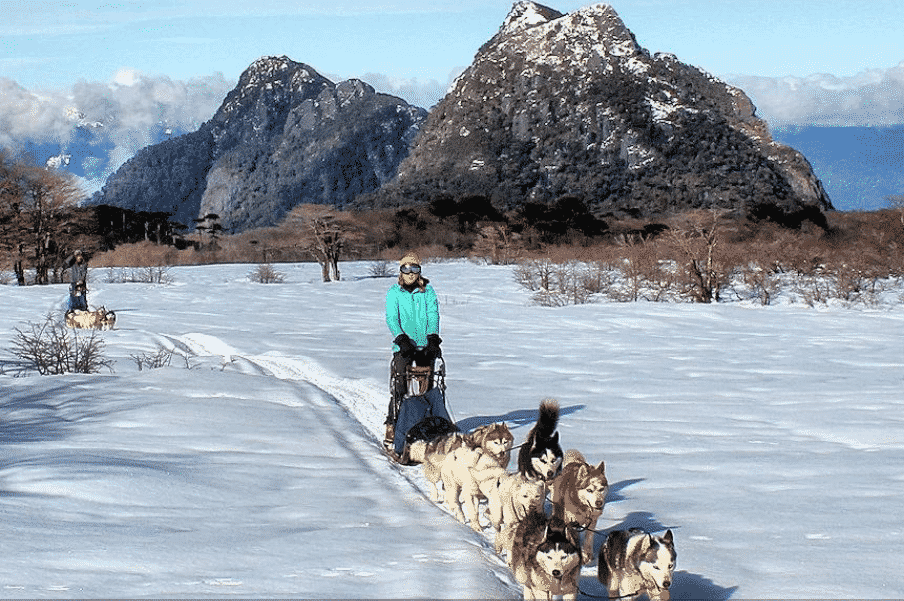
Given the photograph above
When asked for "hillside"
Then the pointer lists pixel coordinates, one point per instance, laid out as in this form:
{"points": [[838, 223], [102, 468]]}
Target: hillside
{"points": [[284, 135]]}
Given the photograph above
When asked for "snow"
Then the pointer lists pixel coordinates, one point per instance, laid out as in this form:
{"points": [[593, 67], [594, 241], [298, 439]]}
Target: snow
{"points": [[769, 439]]}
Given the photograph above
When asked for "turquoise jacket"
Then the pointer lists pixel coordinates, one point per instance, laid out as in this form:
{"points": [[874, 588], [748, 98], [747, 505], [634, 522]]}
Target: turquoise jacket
{"points": [[414, 313]]}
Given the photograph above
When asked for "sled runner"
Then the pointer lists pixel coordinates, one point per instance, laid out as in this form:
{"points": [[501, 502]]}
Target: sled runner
{"points": [[422, 413]]}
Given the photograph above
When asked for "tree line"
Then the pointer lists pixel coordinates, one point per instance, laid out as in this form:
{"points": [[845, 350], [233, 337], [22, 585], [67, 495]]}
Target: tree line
{"points": [[42, 224]]}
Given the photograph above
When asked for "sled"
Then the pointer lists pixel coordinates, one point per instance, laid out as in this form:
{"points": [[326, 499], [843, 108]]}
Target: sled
{"points": [[422, 413]]}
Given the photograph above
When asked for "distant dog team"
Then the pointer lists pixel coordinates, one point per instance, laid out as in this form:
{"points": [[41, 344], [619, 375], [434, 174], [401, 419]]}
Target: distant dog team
{"points": [[98, 319]]}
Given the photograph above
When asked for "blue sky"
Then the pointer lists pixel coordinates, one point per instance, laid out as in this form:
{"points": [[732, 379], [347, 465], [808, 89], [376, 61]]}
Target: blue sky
{"points": [[55, 44], [836, 62]]}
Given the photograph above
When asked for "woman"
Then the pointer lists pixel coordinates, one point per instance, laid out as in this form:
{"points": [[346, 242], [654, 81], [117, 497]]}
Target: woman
{"points": [[412, 314], [78, 289]]}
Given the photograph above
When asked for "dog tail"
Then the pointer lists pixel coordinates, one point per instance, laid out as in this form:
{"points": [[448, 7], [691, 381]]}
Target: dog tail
{"points": [[548, 419]]}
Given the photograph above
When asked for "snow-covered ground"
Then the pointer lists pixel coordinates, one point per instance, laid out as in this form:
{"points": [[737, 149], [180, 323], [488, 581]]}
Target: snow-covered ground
{"points": [[769, 439]]}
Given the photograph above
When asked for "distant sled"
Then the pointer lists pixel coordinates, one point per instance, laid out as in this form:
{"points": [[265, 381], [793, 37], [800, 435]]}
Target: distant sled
{"points": [[98, 319]]}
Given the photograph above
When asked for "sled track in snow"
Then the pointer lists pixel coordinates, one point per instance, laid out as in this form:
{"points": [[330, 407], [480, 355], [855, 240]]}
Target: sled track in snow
{"points": [[364, 401]]}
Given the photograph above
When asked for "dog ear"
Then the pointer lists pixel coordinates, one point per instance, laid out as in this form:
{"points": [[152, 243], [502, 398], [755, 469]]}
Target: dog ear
{"points": [[602, 466], [583, 469], [667, 537], [555, 437]]}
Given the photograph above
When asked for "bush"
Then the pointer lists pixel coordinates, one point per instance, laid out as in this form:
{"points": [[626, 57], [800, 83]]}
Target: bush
{"points": [[265, 274], [51, 348], [140, 275], [381, 269], [163, 357]]}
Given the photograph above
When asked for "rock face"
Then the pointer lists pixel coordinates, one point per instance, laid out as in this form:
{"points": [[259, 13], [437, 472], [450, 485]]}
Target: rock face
{"points": [[284, 136], [570, 104]]}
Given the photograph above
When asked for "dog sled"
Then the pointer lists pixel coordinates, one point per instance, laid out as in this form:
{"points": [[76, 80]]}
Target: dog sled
{"points": [[421, 413]]}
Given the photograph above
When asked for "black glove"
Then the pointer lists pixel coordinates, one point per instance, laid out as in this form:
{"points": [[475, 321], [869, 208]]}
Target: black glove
{"points": [[433, 342], [406, 347]]}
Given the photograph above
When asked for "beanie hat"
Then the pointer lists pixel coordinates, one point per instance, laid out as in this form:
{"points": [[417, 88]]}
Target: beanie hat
{"points": [[410, 258]]}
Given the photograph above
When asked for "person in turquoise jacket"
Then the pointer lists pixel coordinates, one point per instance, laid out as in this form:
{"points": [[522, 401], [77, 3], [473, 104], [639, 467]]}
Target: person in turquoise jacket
{"points": [[412, 315]]}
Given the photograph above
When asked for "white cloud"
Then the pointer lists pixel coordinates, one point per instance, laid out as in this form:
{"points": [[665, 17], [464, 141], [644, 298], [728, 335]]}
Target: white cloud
{"points": [[873, 97], [126, 77], [125, 113], [414, 91]]}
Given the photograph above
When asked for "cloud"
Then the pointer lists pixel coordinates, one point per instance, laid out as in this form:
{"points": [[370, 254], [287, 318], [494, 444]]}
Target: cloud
{"points": [[123, 115], [420, 93], [870, 98], [24, 115]]}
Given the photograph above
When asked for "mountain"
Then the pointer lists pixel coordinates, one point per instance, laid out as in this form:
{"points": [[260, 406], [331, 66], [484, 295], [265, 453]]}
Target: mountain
{"points": [[559, 104], [284, 135]]}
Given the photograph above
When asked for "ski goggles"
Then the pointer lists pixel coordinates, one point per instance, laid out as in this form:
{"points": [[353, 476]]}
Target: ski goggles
{"points": [[410, 268]]}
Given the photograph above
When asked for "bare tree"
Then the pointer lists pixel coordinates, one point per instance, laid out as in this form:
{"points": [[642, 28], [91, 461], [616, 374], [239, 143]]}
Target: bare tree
{"points": [[39, 217], [51, 348], [498, 244], [696, 243], [324, 233]]}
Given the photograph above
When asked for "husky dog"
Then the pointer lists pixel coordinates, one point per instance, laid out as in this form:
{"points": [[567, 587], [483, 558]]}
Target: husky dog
{"points": [[540, 456], [578, 495], [423, 432], [109, 320], [431, 455], [510, 498], [492, 447], [633, 563], [98, 319], [545, 557]]}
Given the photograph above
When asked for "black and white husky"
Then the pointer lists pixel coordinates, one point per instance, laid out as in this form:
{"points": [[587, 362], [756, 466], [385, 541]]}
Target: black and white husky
{"points": [[633, 563], [545, 557], [540, 457]]}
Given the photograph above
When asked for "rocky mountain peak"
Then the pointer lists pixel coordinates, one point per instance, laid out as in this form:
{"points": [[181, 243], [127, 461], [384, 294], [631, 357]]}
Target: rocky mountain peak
{"points": [[269, 85], [527, 14], [284, 135], [569, 104], [546, 36]]}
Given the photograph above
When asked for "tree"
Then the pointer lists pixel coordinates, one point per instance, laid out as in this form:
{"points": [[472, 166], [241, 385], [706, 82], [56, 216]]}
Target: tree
{"points": [[696, 245], [210, 223], [896, 201], [39, 219], [324, 233], [498, 244]]}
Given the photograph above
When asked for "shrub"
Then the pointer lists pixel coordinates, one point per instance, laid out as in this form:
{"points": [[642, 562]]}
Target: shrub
{"points": [[163, 357], [560, 284], [381, 269], [265, 274], [51, 348], [140, 275]]}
